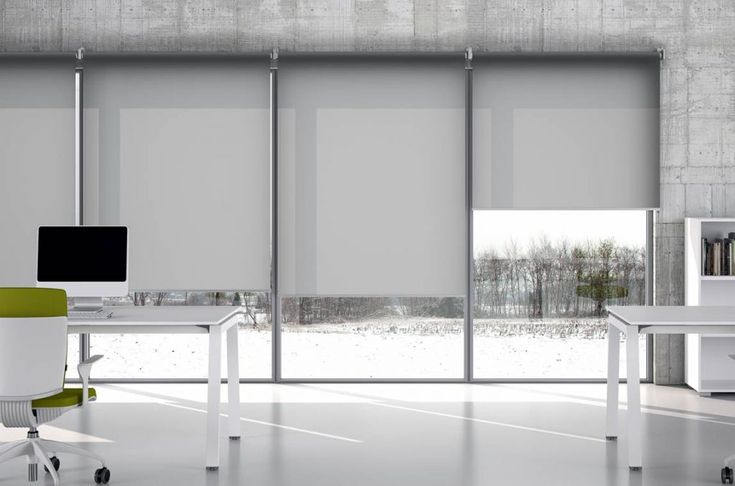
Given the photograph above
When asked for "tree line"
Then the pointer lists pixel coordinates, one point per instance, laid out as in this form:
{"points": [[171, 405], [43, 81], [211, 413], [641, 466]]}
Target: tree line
{"points": [[558, 279], [546, 279]]}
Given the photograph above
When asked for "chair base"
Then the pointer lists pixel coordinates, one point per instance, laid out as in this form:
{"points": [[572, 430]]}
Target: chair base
{"points": [[37, 450]]}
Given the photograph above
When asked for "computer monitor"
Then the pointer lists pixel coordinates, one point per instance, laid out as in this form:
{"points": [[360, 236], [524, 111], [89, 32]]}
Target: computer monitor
{"points": [[89, 262]]}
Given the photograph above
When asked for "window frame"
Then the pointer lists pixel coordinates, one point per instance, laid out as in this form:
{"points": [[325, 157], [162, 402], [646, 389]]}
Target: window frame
{"points": [[275, 58]]}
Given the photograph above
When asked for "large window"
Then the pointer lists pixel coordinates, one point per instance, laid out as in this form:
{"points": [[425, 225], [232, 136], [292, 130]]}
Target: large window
{"points": [[179, 153], [561, 148], [367, 167], [542, 281], [371, 219]]}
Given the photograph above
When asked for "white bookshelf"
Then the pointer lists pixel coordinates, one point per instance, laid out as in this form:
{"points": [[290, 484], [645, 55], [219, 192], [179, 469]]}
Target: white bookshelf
{"points": [[708, 366]]}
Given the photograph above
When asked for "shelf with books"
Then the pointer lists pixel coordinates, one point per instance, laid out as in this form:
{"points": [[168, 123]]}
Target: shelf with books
{"points": [[717, 253], [709, 278]]}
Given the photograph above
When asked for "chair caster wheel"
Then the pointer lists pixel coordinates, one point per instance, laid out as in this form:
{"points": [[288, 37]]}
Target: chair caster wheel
{"points": [[54, 462], [102, 476], [726, 475]]}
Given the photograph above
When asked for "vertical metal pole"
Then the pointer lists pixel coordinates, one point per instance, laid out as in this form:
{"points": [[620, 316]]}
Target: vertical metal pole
{"points": [[650, 282], [650, 249], [79, 165], [469, 297], [78, 140], [275, 298]]}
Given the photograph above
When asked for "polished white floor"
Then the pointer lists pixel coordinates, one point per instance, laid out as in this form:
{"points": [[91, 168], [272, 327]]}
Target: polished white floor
{"points": [[419, 434]]}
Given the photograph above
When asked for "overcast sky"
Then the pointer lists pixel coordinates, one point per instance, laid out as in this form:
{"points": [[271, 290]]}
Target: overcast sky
{"points": [[493, 229]]}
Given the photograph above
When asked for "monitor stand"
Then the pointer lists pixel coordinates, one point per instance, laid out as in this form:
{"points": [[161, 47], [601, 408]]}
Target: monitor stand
{"points": [[87, 304]]}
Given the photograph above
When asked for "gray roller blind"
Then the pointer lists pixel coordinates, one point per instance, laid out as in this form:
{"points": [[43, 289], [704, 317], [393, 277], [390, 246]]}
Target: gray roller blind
{"points": [[563, 133], [183, 160], [36, 160], [371, 178]]}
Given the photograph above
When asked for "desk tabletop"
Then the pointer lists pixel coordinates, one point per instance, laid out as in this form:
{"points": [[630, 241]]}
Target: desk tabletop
{"points": [[669, 315], [171, 315]]}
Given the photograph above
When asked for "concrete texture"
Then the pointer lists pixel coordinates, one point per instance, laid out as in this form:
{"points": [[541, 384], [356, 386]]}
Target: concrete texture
{"points": [[697, 78]]}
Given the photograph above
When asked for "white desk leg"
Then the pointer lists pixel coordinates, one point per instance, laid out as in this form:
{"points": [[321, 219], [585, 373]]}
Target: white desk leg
{"points": [[613, 378], [233, 382], [213, 396], [635, 461]]}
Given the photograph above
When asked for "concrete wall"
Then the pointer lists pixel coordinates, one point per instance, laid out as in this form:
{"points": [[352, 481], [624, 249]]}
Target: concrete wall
{"points": [[698, 76]]}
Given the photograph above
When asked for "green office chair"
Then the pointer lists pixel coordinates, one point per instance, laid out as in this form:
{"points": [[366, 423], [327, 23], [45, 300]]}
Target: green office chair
{"points": [[32, 369]]}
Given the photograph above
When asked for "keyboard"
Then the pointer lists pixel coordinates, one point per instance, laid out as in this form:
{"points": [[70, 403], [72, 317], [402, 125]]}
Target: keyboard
{"points": [[99, 314]]}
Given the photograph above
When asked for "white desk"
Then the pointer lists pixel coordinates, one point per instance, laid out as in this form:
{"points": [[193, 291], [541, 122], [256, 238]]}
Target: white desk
{"points": [[212, 320], [636, 320]]}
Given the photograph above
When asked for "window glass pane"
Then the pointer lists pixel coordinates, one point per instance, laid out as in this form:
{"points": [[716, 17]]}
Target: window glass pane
{"points": [[372, 337], [182, 356], [542, 281]]}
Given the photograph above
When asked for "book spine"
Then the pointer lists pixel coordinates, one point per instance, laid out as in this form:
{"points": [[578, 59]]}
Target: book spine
{"points": [[704, 256], [726, 257]]}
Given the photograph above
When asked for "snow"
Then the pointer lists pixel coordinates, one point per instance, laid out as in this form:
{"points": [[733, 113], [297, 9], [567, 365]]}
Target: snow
{"points": [[381, 348]]}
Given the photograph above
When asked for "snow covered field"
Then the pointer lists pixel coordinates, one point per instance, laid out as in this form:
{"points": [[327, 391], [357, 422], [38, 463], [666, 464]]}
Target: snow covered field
{"points": [[380, 348]]}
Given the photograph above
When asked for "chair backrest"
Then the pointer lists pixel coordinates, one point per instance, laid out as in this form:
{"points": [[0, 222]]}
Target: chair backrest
{"points": [[33, 342]]}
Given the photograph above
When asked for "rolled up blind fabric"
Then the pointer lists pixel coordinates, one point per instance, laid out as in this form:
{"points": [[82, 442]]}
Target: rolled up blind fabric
{"points": [[566, 133], [371, 159], [371, 177], [36, 160], [184, 163]]}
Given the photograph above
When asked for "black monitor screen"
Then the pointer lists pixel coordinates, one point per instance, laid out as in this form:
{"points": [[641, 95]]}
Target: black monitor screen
{"points": [[82, 253]]}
